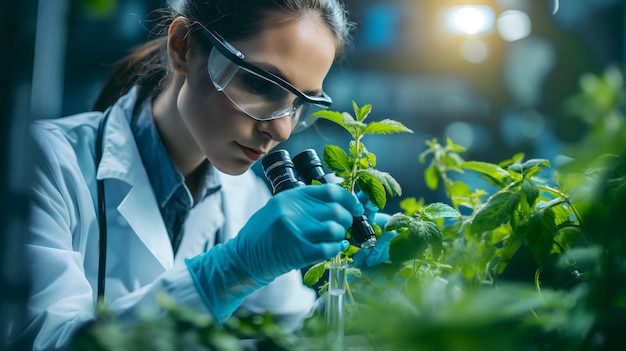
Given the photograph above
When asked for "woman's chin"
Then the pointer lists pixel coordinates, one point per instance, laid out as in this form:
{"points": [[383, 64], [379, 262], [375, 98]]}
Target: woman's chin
{"points": [[234, 168]]}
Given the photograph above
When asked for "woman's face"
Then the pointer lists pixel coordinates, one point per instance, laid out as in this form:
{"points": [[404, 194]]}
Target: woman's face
{"points": [[301, 51]]}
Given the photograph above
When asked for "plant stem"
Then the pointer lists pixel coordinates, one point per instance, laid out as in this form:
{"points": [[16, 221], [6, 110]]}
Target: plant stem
{"points": [[355, 157], [565, 198], [537, 280]]}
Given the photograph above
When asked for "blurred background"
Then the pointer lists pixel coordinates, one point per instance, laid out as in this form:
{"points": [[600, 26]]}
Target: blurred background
{"points": [[492, 75]]}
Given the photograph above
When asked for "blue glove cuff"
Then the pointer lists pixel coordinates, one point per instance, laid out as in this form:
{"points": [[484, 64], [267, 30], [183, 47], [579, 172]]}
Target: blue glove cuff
{"points": [[221, 280]]}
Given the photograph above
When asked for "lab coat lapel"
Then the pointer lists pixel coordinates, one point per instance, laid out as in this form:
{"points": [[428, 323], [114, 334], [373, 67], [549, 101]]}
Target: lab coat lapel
{"points": [[121, 160], [233, 191], [243, 196]]}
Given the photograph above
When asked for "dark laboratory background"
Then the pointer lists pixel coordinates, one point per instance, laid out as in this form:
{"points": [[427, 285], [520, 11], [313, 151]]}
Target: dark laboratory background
{"points": [[492, 75]]}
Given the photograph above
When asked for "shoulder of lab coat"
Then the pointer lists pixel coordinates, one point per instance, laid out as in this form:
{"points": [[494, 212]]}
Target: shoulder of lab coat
{"points": [[62, 245]]}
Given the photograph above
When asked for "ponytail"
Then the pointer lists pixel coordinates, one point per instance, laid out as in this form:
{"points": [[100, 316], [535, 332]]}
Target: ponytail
{"points": [[144, 67]]}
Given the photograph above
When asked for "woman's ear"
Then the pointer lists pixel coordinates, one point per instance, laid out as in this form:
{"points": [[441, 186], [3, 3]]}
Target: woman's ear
{"points": [[178, 44]]}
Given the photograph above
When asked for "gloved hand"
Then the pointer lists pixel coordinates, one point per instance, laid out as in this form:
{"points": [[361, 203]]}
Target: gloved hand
{"points": [[370, 210], [380, 252], [296, 228]]}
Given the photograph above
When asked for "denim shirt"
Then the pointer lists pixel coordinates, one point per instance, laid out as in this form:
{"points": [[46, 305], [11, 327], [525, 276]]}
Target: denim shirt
{"points": [[168, 183]]}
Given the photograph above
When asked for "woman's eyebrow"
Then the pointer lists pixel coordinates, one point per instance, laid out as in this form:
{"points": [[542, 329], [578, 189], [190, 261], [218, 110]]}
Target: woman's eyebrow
{"points": [[277, 72]]}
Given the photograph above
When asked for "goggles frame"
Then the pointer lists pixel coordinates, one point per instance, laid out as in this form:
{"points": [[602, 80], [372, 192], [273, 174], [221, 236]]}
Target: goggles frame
{"points": [[238, 58]]}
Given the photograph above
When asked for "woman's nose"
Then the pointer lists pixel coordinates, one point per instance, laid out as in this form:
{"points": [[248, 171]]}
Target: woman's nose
{"points": [[278, 129]]}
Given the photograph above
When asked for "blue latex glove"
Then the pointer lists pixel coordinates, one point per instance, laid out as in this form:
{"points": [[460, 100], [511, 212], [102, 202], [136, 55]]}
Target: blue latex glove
{"points": [[379, 253], [296, 228], [370, 210]]}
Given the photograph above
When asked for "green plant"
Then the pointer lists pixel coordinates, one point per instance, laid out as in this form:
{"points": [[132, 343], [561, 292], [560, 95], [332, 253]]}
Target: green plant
{"points": [[357, 167], [524, 210], [447, 309], [534, 261], [180, 328], [600, 106]]}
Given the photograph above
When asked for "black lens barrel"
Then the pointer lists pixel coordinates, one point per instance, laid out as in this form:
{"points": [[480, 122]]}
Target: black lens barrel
{"points": [[309, 166], [279, 171]]}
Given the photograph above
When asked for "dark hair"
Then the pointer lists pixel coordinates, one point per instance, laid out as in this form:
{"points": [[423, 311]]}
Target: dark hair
{"points": [[147, 66]]}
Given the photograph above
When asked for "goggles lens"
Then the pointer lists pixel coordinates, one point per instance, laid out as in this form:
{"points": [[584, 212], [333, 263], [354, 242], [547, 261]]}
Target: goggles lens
{"points": [[261, 97]]}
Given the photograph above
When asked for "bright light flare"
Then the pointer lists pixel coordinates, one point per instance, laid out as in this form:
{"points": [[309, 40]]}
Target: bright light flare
{"points": [[514, 25], [470, 19]]}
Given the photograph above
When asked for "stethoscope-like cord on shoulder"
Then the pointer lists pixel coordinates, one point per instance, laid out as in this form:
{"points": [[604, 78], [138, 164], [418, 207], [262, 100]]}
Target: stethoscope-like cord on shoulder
{"points": [[102, 220]]}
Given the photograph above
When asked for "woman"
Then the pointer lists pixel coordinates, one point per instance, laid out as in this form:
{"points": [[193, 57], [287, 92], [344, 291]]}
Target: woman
{"points": [[186, 116]]}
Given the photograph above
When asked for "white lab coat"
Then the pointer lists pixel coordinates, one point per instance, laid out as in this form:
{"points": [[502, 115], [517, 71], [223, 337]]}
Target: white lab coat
{"points": [[63, 232]]}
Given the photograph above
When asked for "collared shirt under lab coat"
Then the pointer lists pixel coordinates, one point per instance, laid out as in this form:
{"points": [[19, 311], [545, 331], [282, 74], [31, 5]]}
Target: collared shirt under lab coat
{"points": [[63, 232]]}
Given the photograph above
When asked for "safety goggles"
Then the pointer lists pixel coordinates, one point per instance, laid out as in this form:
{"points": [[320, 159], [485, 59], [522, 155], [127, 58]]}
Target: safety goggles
{"points": [[259, 93]]}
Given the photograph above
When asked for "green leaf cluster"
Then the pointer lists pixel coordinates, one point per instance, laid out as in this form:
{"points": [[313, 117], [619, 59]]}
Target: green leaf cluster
{"points": [[357, 165], [418, 232], [523, 211], [600, 106], [181, 328]]}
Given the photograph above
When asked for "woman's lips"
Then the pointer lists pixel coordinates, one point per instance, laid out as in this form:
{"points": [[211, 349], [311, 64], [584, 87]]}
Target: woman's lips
{"points": [[252, 154]]}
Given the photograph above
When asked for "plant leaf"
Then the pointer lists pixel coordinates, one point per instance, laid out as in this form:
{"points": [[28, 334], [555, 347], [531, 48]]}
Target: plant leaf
{"points": [[530, 191], [386, 126], [494, 172], [536, 162], [507, 251], [333, 116], [423, 154], [392, 186], [498, 209], [371, 158], [404, 247], [351, 250], [336, 159], [454, 147], [315, 273], [411, 206], [440, 210], [534, 166], [343, 119], [431, 176], [362, 112], [460, 194], [517, 158], [373, 188], [354, 272], [398, 222], [540, 232], [349, 121], [561, 215], [414, 237]]}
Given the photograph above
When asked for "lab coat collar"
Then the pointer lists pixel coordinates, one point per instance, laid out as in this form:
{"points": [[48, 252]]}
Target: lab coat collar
{"points": [[121, 161]]}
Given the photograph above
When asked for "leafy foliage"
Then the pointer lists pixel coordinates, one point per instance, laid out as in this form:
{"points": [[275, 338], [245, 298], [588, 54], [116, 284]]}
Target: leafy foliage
{"points": [[524, 211], [357, 166], [180, 328]]}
